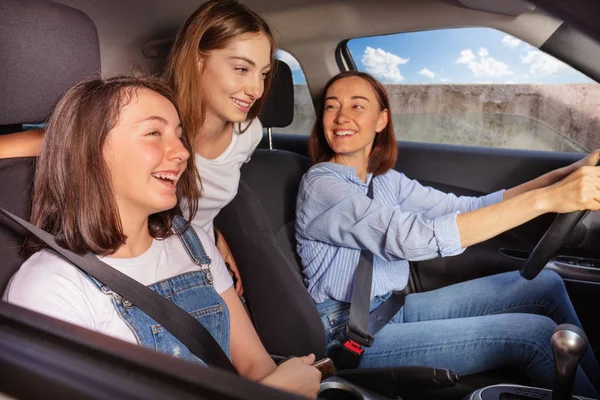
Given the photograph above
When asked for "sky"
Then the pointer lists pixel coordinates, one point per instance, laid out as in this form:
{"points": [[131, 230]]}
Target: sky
{"points": [[465, 55]]}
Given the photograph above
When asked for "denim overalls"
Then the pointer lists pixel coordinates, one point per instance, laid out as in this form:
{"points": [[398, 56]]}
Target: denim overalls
{"points": [[191, 291]]}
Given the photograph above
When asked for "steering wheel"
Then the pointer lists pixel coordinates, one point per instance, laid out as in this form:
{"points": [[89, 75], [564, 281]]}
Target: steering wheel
{"points": [[551, 242]]}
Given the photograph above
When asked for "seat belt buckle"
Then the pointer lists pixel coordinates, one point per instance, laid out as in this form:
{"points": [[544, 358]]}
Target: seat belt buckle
{"points": [[349, 355], [352, 351], [353, 347], [362, 340]]}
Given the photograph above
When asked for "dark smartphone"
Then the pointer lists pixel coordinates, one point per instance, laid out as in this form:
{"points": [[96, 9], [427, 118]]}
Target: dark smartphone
{"points": [[326, 367]]}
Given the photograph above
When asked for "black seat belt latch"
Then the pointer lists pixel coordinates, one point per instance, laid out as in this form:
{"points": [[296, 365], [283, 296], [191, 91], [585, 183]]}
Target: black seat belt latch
{"points": [[365, 340], [352, 351], [349, 355]]}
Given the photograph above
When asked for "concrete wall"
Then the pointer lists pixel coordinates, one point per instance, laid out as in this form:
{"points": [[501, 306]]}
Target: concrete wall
{"points": [[541, 117]]}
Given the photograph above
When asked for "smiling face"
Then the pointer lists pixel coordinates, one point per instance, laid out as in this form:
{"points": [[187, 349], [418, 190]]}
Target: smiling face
{"points": [[352, 116], [145, 155], [233, 78]]}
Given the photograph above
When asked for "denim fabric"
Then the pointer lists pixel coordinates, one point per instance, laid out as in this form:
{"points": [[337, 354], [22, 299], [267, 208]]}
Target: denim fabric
{"points": [[192, 291], [483, 324]]}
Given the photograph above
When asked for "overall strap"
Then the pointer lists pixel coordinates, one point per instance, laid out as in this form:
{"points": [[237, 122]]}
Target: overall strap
{"points": [[191, 242]]}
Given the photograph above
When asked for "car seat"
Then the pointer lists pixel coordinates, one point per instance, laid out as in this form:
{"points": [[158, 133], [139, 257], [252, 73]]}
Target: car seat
{"points": [[61, 49]]}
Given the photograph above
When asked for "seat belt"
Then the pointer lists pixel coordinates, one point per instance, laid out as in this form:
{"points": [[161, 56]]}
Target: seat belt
{"points": [[178, 322], [362, 325]]}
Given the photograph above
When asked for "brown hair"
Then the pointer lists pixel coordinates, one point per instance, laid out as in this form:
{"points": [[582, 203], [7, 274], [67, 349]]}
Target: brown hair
{"points": [[73, 197], [211, 27], [384, 152]]}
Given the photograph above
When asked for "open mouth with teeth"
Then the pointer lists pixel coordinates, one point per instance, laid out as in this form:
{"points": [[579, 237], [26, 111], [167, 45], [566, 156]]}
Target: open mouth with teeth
{"points": [[242, 105], [346, 132], [169, 179]]}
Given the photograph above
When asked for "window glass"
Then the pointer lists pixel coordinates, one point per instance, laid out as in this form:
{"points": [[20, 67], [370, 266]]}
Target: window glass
{"points": [[481, 87], [304, 111]]}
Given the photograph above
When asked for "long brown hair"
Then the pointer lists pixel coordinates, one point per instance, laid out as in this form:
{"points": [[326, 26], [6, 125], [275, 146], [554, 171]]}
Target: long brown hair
{"points": [[384, 152], [73, 197], [211, 27]]}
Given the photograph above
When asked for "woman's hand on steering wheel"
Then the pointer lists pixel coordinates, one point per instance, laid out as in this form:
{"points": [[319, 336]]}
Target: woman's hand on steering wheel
{"points": [[579, 191], [572, 197]]}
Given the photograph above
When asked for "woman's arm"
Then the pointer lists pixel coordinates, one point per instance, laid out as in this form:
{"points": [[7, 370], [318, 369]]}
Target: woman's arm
{"points": [[432, 203], [552, 177], [253, 362], [578, 191], [333, 210], [21, 144]]}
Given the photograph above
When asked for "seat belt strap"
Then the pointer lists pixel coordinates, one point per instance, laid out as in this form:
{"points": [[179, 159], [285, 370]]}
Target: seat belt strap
{"points": [[362, 325], [179, 323]]}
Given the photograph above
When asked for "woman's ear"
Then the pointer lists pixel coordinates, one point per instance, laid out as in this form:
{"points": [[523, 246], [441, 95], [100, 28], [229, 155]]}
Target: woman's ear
{"points": [[383, 121], [200, 63]]}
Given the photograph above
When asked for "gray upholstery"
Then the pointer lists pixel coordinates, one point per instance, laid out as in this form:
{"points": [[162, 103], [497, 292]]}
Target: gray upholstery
{"points": [[45, 47], [285, 239], [259, 227]]}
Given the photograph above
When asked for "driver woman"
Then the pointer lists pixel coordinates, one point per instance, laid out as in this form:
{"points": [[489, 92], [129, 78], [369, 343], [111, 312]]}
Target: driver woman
{"points": [[500, 321]]}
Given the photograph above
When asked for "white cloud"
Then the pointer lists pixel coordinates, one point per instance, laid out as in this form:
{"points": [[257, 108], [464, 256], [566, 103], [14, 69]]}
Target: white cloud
{"points": [[445, 80], [542, 65], [427, 73], [289, 59], [486, 66], [510, 41], [489, 67], [383, 64], [466, 56]]}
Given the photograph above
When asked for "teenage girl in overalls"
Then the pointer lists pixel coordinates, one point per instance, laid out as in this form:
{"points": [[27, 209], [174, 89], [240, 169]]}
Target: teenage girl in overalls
{"points": [[114, 163]]}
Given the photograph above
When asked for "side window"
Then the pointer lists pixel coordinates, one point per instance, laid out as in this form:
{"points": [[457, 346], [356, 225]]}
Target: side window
{"points": [[481, 87], [304, 111]]}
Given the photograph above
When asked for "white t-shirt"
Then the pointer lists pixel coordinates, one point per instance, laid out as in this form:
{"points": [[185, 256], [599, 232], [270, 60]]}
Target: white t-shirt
{"points": [[48, 284], [221, 176]]}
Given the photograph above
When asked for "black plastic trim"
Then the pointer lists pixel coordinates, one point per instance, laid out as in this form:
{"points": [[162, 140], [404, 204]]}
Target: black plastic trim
{"points": [[47, 358], [575, 49], [343, 57]]}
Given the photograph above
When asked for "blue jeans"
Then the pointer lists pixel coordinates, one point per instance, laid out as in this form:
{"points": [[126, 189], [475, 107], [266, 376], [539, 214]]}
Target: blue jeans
{"points": [[494, 322]]}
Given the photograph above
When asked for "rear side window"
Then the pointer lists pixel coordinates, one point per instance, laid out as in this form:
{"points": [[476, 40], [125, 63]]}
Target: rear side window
{"points": [[304, 111], [481, 87]]}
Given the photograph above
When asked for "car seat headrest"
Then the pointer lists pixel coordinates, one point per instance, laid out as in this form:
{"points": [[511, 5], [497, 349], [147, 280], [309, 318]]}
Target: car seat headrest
{"points": [[278, 110], [45, 48]]}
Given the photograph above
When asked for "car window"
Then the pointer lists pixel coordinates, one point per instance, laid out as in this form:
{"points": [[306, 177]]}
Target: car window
{"points": [[304, 111], [481, 87]]}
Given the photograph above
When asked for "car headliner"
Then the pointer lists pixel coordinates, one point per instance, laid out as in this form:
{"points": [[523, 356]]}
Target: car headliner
{"points": [[308, 29]]}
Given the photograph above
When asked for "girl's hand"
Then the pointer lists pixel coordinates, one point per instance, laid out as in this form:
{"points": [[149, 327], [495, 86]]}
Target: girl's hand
{"points": [[296, 375], [225, 252], [578, 191]]}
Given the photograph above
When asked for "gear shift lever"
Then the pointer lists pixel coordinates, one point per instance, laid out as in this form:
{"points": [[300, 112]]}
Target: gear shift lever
{"points": [[569, 344]]}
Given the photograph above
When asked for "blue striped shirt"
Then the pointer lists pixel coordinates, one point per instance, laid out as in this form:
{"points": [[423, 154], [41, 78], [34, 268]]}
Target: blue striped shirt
{"points": [[335, 220]]}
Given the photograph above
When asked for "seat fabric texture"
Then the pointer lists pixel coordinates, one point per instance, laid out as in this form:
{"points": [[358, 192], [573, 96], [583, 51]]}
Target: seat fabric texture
{"points": [[45, 48]]}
